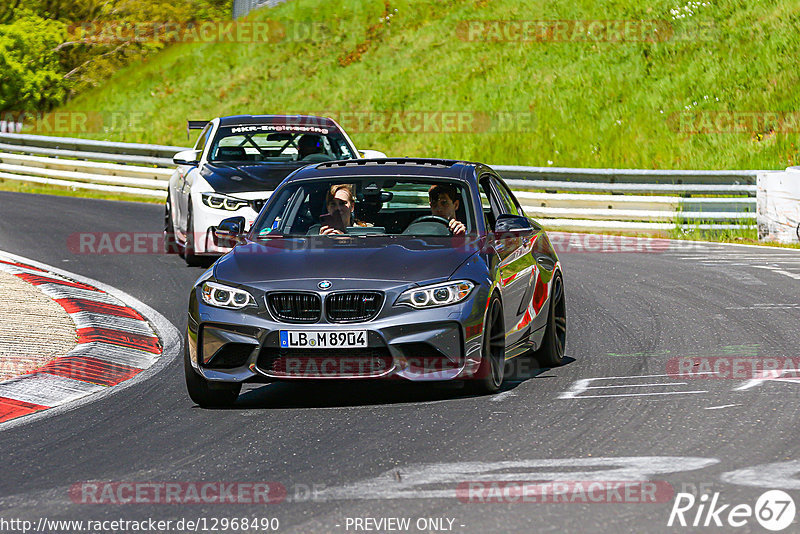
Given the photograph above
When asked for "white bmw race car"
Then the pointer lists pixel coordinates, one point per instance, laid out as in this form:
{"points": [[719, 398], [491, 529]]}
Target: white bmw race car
{"points": [[234, 166]]}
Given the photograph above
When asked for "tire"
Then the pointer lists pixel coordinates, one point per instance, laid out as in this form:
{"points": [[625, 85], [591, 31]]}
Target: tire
{"points": [[202, 393], [551, 353], [170, 243], [489, 377], [192, 260]]}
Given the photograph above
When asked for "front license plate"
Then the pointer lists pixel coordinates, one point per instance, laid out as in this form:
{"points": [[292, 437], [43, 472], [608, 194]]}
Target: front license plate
{"points": [[312, 339]]}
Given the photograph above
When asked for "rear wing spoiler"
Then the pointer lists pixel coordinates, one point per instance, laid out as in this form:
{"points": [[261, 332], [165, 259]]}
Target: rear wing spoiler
{"points": [[194, 125]]}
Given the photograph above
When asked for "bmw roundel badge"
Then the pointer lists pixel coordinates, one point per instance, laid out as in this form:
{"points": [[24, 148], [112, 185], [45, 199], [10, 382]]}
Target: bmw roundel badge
{"points": [[325, 284]]}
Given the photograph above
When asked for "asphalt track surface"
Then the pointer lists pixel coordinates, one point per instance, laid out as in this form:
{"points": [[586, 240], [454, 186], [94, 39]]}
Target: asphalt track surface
{"points": [[396, 450]]}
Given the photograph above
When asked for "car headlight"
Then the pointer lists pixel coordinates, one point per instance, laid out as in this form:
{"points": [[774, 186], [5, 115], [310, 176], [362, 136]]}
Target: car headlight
{"points": [[436, 295], [223, 202], [223, 296]]}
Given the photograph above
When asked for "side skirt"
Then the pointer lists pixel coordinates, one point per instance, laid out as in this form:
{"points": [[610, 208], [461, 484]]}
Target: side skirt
{"points": [[529, 342]]}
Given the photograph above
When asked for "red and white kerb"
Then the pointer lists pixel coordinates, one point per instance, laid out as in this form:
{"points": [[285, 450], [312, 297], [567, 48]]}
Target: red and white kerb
{"points": [[115, 343]]}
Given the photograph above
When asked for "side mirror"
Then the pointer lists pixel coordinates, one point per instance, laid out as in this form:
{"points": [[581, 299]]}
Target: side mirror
{"points": [[229, 232], [186, 157], [372, 154], [514, 224]]}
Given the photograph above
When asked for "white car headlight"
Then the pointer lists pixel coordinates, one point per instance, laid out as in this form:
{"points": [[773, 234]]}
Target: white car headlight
{"points": [[223, 296], [435, 295], [223, 202]]}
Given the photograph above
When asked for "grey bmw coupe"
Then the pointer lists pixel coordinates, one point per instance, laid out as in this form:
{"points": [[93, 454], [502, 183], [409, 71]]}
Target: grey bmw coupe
{"points": [[415, 269]]}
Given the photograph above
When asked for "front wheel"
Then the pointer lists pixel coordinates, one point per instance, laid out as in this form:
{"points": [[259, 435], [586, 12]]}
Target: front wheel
{"points": [[493, 358], [205, 394], [551, 353], [170, 243], [192, 260]]}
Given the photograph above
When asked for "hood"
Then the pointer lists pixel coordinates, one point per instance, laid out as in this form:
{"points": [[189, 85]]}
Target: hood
{"points": [[232, 177], [388, 258]]}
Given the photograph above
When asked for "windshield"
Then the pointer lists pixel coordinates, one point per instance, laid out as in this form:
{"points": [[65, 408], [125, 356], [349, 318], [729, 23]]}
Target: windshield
{"points": [[368, 206], [279, 143]]}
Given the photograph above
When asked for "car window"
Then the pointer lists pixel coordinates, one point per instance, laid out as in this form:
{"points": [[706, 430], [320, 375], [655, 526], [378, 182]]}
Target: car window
{"points": [[507, 200], [510, 195], [203, 139], [386, 206], [491, 206], [278, 143]]}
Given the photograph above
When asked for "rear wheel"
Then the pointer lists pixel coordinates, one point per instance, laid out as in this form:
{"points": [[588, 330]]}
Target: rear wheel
{"points": [[551, 353], [192, 260], [206, 394], [493, 358]]}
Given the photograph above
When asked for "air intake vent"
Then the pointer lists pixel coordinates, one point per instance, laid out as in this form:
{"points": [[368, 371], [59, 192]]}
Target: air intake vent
{"points": [[353, 306], [325, 363], [295, 307]]}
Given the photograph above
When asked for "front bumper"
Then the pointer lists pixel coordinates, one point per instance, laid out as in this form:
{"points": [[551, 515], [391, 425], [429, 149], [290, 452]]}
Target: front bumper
{"points": [[403, 343]]}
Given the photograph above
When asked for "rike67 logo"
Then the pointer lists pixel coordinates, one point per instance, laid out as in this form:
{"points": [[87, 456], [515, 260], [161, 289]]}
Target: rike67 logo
{"points": [[774, 510]]}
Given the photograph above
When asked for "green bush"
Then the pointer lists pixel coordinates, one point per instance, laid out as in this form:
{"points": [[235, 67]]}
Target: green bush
{"points": [[32, 75]]}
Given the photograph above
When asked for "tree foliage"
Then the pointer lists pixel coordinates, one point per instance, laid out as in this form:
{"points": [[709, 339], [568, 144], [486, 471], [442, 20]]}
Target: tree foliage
{"points": [[43, 64], [32, 75]]}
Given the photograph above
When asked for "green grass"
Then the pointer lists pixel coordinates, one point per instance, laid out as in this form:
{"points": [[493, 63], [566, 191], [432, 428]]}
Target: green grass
{"points": [[600, 104], [733, 235], [745, 236]]}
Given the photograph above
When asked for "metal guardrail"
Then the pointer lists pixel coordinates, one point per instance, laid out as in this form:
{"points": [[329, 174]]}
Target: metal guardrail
{"points": [[629, 176], [242, 7], [564, 198], [88, 149], [90, 145]]}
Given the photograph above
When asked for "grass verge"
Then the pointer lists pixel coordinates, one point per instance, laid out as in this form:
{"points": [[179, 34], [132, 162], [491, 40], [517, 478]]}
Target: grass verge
{"points": [[43, 189]]}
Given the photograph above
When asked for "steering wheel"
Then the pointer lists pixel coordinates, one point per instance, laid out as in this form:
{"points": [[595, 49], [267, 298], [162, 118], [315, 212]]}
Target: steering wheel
{"points": [[431, 218]]}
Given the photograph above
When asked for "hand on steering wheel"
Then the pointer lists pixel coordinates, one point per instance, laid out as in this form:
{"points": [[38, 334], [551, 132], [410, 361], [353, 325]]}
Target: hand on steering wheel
{"points": [[455, 227]]}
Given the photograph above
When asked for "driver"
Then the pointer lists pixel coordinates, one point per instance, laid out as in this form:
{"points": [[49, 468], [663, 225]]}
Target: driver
{"points": [[309, 144], [444, 203]]}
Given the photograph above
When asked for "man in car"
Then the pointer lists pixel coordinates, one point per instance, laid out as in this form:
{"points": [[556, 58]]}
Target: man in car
{"points": [[444, 203], [309, 148]]}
